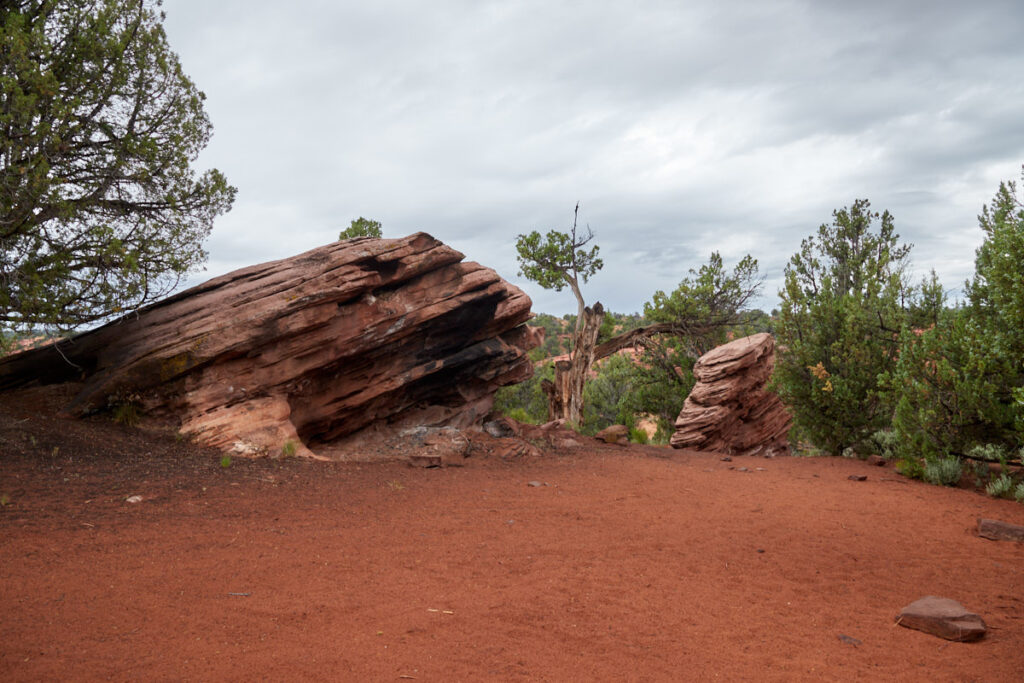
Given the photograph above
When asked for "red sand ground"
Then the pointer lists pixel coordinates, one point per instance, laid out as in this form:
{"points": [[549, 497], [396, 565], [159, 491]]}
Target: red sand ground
{"points": [[630, 564]]}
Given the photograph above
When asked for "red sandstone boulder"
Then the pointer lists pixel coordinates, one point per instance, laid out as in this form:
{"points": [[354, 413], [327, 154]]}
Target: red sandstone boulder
{"points": [[729, 409], [298, 353]]}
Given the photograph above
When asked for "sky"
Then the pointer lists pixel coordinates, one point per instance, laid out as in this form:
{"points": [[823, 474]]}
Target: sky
{"points": [[681, 128]]}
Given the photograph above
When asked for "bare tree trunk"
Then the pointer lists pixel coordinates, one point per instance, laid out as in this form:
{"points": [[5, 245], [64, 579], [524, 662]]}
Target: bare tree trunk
{"points": [[565, 394]]}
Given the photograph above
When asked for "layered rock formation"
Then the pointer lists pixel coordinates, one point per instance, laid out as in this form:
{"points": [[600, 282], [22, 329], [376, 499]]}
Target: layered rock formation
{"points": [[729, 409], [303, 351]]}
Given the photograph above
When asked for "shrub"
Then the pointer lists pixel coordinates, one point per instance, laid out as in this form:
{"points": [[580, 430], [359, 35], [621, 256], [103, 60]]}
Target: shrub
{"points": [[943, 471], [885, 442], [989, 452], [526, 402], [1000, 487], [518, 414], [637, 435], [288, 449], [910, 467], [952, 383], [1018, 493], [126, 413]]}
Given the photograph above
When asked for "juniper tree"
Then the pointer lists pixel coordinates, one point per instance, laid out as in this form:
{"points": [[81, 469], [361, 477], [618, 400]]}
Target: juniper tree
{"points": [[100, 209]]}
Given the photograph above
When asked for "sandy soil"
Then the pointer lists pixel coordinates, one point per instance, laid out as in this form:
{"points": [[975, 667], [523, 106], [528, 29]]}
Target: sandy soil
{"points": [[627, 564]]}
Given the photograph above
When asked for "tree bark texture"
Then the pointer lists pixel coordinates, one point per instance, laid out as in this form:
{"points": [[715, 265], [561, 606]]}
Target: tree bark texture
{"points": [[565, 395]]}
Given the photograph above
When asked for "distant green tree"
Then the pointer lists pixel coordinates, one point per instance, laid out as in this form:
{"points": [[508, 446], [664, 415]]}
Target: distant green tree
{"points": [[100, 210], [926, 303], [838, 327], [361, 227]]}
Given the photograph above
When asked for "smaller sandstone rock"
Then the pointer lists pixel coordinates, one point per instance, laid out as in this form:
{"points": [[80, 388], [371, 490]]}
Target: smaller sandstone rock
{"points": [[534, 484], [849, 640], [613, 434], [742, 469], [995, 530], [876, 460], [726, 459], [858, 477], [942, 617]]}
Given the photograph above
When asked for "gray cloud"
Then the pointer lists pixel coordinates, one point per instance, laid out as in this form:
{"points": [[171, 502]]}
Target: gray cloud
{"points": [[682, 128]]}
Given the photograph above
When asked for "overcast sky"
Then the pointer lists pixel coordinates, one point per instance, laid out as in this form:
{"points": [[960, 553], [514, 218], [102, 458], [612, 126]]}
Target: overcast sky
{"points": [[680, 127]]}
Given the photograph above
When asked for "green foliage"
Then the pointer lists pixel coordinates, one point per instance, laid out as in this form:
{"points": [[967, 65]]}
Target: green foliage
{"points": [[711, 298], [637, 435], [943, 471], [886, 443], [951, 386], [558, 259], [837, 329], [927, 303], [225, 462], [1000, 487], [910, 467], [989, 452], [556, 339], [288, 449], [959, 382], [126, 412], [361, 227], [526, 402], [707, 305], [606, 397], [663, 378], [607, 329], [100, 210], [1018, 493]]}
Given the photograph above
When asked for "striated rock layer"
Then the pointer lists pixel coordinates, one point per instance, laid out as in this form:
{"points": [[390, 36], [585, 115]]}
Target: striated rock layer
{"points": [[307, 349], [729, 409]]}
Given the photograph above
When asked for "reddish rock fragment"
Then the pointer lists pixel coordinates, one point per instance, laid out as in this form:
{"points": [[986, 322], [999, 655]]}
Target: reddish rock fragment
{"points": [[942, 617], [995, 530]]}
